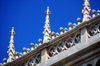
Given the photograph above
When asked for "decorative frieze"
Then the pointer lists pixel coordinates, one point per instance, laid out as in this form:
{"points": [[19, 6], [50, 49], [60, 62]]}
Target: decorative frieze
{"points": [[65, 44]]}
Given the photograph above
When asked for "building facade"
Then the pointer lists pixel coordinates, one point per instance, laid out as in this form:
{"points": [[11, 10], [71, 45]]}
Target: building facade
{"points": [[79, 45]]}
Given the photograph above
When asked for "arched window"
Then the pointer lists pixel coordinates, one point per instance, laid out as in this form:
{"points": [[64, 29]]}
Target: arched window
{"points": [[89, 65], [98, 63]]}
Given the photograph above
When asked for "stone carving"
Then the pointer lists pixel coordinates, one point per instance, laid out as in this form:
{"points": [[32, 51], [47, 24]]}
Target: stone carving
{"points": [[64, 45]]}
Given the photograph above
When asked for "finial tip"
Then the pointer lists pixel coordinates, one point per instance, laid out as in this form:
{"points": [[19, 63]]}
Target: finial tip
{"points": [[47, 7], [12, 27], [47, 11]]}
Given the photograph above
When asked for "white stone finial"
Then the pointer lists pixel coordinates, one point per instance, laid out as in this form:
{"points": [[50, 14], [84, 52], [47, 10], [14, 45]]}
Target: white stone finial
{"points": [[24, 50], [48, 11], [53, 35], [40, 41], [11, 48], [98, 12], [70, 25], [47, 29], [86, 10], [79, 21], [74, 25], [20, 54], [66, 30], [61, 30], [32, 46], [16, 55], [12, 33], [36, 45], [4, 61], [93, 13], [28, 50], [57, 34]]}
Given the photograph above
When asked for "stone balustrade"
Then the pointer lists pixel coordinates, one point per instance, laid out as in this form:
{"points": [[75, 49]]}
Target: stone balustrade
{"points": [[60, 42]]}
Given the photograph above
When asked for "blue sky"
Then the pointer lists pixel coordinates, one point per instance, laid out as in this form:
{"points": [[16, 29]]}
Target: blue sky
{"points": [[28, 16]]}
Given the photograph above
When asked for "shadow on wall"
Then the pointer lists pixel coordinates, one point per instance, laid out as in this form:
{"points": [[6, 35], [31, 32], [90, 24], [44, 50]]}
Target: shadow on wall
{"points": [[98, 63]]}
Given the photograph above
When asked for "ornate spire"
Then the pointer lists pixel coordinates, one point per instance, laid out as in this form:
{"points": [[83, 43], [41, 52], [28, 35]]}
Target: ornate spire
{"points": [[47, 30], [11, 49], [86, 10]]}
